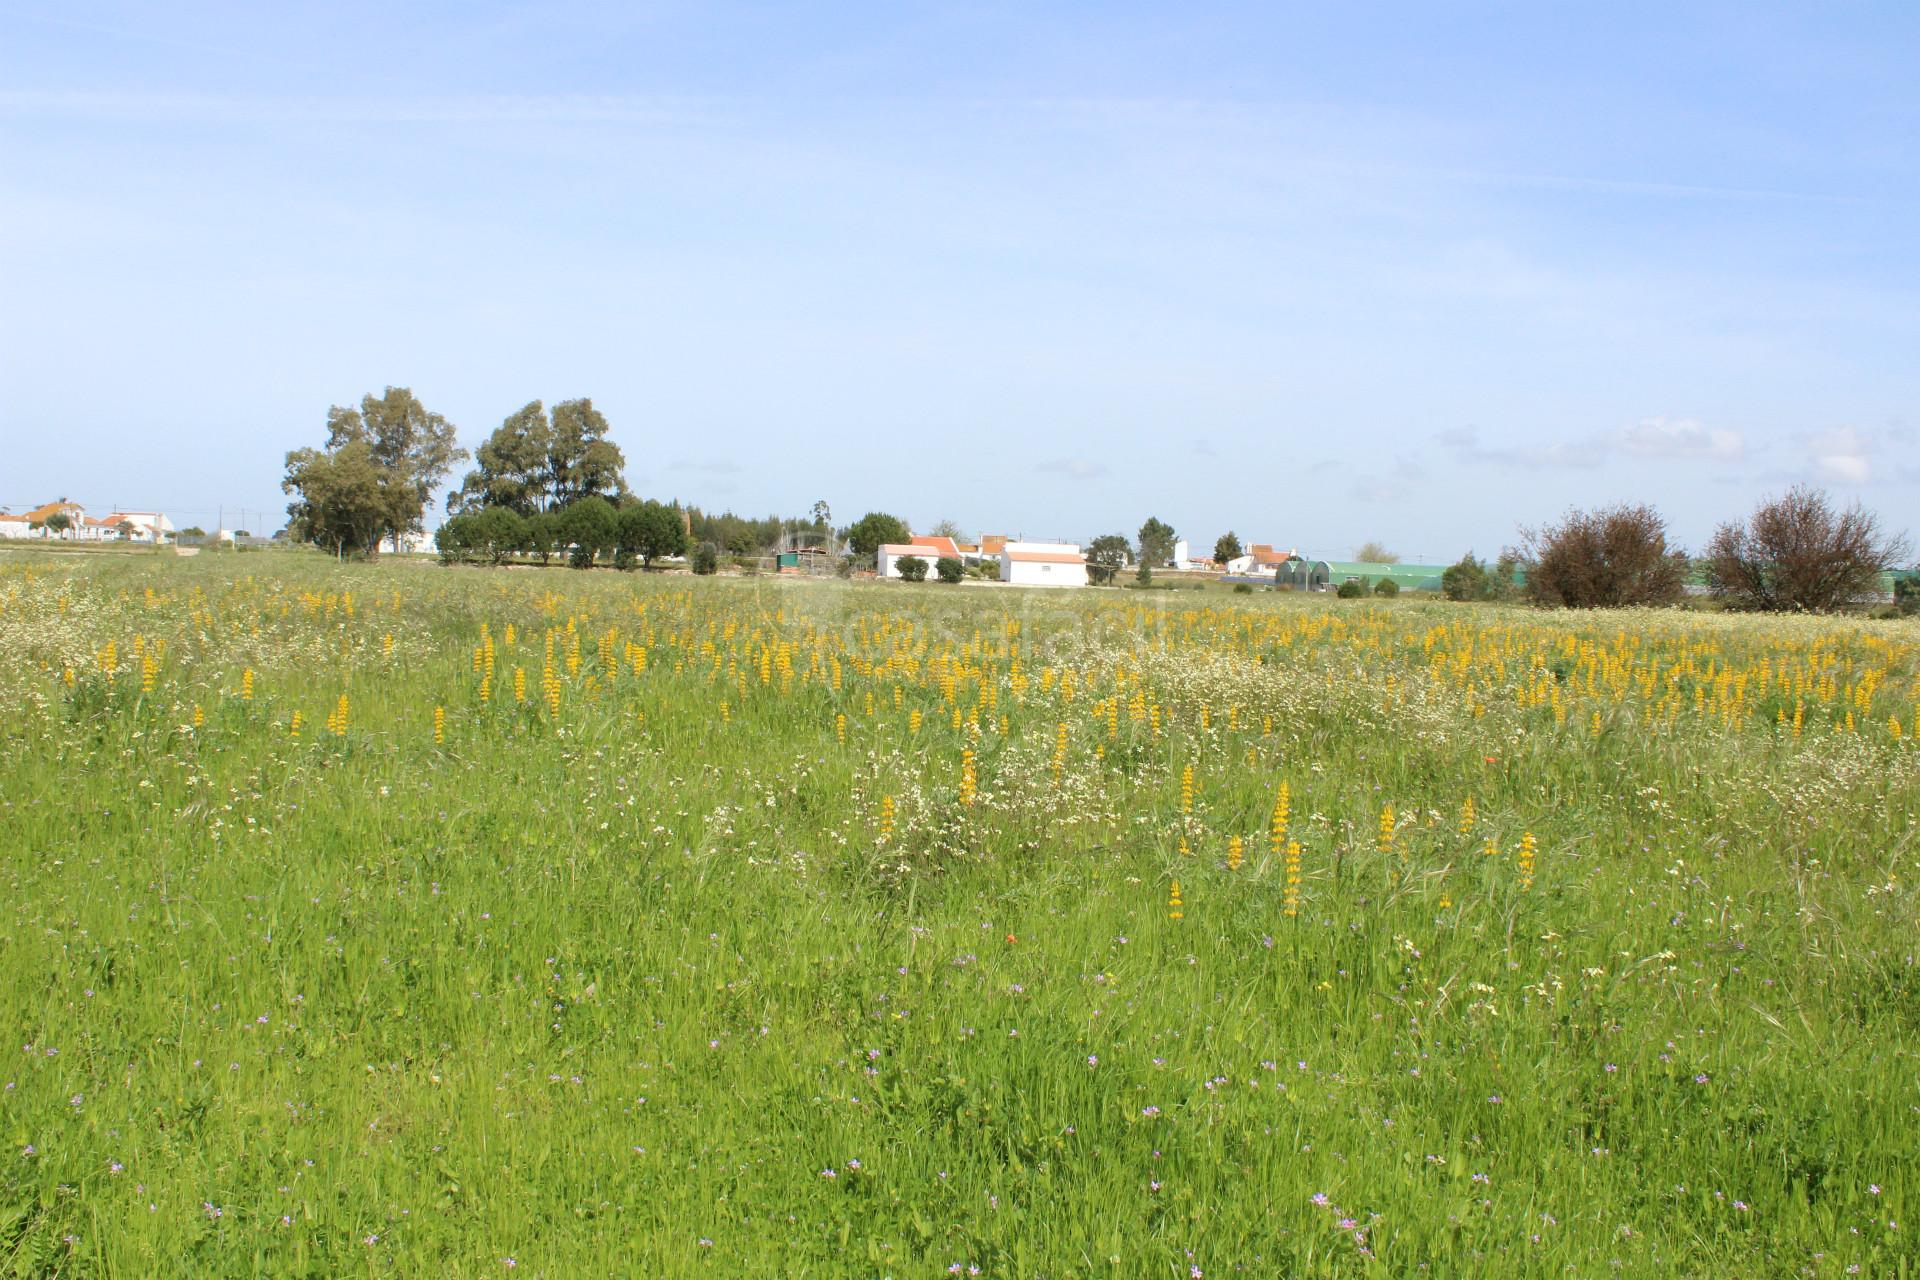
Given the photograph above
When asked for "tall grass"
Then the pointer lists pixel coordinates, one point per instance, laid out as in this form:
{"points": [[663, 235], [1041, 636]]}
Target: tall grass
{"points": [[633, 977]]}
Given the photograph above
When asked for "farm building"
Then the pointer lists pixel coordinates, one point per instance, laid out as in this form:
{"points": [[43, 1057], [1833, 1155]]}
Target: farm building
{"points": [[1043, 564], [1410, 577], [886, 561], [146, 526]]}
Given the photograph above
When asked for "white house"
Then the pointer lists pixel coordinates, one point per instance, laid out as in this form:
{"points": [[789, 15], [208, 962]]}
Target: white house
{"points": [[15, 527], [886, 561], [1043, 564], [147, 526]]}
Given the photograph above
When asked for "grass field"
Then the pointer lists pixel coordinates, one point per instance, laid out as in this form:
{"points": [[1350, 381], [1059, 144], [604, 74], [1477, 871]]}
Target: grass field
{"points": [[396, 920]]}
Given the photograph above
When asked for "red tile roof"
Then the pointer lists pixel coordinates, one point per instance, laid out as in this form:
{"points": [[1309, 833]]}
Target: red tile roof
{"points": [[943, 546]]}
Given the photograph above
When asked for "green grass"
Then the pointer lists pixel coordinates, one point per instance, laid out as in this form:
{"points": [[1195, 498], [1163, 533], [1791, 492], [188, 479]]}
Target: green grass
{"points": [[638, 988]]}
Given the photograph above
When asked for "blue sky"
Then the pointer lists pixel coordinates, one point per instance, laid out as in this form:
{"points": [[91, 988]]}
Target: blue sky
{"points": [[1319, 274]]}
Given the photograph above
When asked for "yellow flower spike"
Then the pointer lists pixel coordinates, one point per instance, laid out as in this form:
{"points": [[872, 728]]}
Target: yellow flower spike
{"points": [[1236, 853], [1385, 842], [1466, 815], [1529, 849], [439, 725], [1292, 899], [1174, 904], [840, 727]]}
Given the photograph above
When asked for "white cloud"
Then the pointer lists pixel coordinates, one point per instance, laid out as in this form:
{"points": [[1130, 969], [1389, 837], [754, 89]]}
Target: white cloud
{"points": [[1679, 438], [1078, 468], [1840, 455]]}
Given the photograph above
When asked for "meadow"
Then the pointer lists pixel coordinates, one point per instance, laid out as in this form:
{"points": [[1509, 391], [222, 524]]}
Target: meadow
{"points": [[400, 920]]}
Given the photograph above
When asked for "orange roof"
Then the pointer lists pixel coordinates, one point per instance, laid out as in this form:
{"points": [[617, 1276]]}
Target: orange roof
{"points": [[1267, 555], [1045, 557], [943, 545], [40, 513], [993, 543]]}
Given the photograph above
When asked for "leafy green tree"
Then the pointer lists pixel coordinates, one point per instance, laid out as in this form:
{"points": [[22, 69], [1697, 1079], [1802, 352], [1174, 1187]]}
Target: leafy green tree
{"points": [[541, 535], [1106, 556], [513, 470], [374, 477], [342, 499], [1474, 579], [947, 529], [581, 461], [1156, 541], [870, 532], [706, 560], [912, 568], [453, 537], [1386, 587], [950, 569], [590, 527], [1145, 574], [650, 530], [59, 522], [496, 532], [1227, 547]]}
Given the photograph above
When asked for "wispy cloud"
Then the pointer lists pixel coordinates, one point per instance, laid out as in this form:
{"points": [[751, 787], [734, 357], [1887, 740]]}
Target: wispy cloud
{"points": [[1078, 468], [1674, 439], [1679, 438], [1465, 446], [464, 109]]}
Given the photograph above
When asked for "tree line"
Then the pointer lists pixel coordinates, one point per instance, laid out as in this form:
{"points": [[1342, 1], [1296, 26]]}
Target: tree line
{"points": [[544, 483], [1798, 552]]}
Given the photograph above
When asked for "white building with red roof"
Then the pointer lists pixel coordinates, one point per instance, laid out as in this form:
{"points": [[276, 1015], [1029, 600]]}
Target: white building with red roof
{"points": [[1043, 564]]}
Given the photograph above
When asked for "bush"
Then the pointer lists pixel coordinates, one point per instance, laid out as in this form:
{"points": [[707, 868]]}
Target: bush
{"points": [[1797, 552], [1352, 589], [452, 539], [495, 532], [706, 560], [540, 535], [1906, 593], [592, 526], [950, 569], [1145, 576], [1386, 587], [1465, 579], [1243, 588], [912, 568], [1605, 559]]}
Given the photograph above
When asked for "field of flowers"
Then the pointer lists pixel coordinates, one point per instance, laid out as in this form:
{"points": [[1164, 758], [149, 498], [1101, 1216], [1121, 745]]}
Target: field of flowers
{"points": [[399, 920]]}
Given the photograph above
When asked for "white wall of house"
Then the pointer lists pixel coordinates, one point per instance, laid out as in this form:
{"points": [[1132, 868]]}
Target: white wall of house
{"points": [[886, 561], [1043, 564]]}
